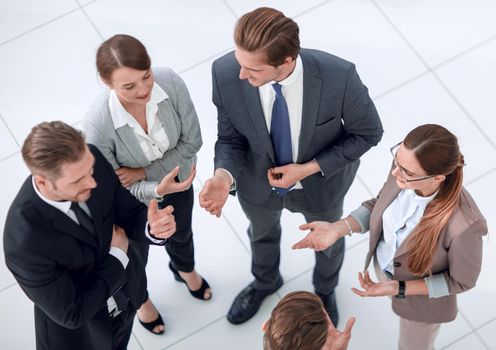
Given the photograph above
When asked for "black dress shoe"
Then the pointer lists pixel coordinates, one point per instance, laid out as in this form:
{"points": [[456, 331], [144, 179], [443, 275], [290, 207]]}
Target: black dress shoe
{"points": [[329, 301], [247, 303]]}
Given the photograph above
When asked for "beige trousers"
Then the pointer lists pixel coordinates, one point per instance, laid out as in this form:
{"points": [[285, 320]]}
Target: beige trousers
{"points": [[413, 335]]}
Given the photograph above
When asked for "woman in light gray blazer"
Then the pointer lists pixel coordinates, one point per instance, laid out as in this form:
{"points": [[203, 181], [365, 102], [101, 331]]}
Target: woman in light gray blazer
{"points": [[147, 128], [425, 235]]}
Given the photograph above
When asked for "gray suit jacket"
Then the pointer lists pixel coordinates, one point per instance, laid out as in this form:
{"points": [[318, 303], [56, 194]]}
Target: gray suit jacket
{"points": [[121, 148], [458, 256], [339, 124]]}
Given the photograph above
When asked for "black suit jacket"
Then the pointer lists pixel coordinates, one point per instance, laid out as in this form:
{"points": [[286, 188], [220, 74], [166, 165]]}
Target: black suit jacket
{"points": [[339, 124], [68, 274]]}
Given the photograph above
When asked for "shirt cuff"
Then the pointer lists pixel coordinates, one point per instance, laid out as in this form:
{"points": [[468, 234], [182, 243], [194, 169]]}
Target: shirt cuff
{"points": [[362, 215], [151, 238], [119, 255], [437, 285], [233, 183]]}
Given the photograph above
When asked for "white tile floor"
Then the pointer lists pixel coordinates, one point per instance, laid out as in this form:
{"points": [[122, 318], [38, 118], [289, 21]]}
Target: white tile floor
{"points": [[423, 61]]}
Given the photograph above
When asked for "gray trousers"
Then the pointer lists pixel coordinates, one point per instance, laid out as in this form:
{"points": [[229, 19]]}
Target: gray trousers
{"points": [[265, 237]]}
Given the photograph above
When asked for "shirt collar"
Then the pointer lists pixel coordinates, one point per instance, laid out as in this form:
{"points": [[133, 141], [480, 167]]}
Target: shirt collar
{"points": [[62, 206], [121, 117], [421, 201], [290, 79]]}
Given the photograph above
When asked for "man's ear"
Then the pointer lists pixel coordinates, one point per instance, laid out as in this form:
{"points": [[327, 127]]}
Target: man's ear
{"points": [[265, 325], [40, 181]]}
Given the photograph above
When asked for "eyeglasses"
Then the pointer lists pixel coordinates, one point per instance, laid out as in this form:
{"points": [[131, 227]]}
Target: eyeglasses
{"points": [[407, 178]]}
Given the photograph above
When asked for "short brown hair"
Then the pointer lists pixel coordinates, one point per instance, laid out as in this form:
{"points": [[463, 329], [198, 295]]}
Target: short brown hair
{"points": [[299, 321], [121, 50], [49, 145], [267, 30]]}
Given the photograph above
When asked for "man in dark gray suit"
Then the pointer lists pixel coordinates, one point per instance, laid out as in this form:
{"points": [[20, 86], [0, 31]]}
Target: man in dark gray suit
{"points": [[292, 125]]}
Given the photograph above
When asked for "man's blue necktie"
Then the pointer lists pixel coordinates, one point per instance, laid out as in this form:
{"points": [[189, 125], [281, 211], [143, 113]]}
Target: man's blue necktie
{"points": [[280, 133]]}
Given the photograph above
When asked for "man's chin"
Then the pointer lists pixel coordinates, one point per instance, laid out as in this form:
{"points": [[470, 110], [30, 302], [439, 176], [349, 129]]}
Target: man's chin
{"points": [[83, 197]]}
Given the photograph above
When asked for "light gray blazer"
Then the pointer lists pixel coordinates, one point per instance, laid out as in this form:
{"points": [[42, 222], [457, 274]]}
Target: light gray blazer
{"points": [[121, 148]]}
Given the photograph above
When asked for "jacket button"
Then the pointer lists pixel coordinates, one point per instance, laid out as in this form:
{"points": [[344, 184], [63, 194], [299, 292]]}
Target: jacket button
{"points": [[397, 264]]}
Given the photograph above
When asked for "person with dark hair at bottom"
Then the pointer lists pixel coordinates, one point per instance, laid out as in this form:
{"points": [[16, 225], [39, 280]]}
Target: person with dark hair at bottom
{"points": [[299, 321], [425, 235], [292, 125], [66, 242], [146, 126]]}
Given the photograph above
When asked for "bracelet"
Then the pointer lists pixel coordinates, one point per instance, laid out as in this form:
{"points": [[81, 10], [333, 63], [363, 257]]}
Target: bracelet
{"points": [[349, 227]]}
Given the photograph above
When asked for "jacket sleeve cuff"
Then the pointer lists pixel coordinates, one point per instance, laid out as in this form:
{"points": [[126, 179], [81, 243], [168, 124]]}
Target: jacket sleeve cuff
{"points": [[437, 285], [362, 215]]}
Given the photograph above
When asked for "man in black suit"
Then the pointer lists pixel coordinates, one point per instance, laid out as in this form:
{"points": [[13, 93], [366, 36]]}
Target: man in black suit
{"points": [[292, 125], [66, 242]]}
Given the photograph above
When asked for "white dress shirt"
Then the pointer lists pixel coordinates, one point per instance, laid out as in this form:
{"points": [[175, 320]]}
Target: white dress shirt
{"points": [[154, 143], [398, 221], [292, 90]]}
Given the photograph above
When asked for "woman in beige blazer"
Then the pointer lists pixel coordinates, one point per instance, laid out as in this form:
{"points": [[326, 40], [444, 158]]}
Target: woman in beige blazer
{"points": [[425, 235], [146, 126]]}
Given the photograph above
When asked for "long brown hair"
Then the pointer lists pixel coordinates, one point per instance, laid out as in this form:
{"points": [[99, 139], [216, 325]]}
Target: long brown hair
{"points": [[298, 321], [121, 50], [438, 153], [267, 30]]}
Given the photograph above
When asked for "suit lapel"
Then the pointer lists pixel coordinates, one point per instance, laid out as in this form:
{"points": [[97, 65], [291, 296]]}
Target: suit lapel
{"points": [[312, 86], [130, 141], [61, 222], [254, 105], [387, 196]]}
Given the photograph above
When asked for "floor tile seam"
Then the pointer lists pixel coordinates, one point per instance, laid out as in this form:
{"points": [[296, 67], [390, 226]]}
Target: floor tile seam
{"points": [[41, 25], [464, 52], [137, 340], [367, 188], [479, 177], [229, 7], [474, 329], [231, 226], [313, 8], [10, 132], [7, 287], [295, 277], [431, 69], [479, 336], [447, 346], [196, 331], [10, 156], [203, 61], [434, 74], [464, 110], [87, 16]]}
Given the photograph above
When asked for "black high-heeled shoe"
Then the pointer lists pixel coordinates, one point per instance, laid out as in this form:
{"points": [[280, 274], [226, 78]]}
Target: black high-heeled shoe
{"points": [[199, 293], [150, 326]]}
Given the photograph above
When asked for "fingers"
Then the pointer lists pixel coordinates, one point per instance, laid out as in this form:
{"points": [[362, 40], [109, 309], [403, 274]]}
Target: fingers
{"points": [[166, 211], [304, 243], [349, 325], [359, 292], [152, 208], [308, 226], [203, 197], [174, 172], [362, 281]]}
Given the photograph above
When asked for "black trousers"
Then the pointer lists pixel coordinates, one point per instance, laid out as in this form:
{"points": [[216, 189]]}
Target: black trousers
{"points": [[180, 245], [265, 237]]}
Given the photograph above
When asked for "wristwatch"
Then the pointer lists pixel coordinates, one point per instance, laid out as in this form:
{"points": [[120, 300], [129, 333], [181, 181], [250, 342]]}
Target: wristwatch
{"points": [[401, 290]]}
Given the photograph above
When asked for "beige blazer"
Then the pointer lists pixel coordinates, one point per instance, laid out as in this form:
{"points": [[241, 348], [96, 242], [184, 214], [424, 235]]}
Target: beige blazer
{"points": [[458, 256]]}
